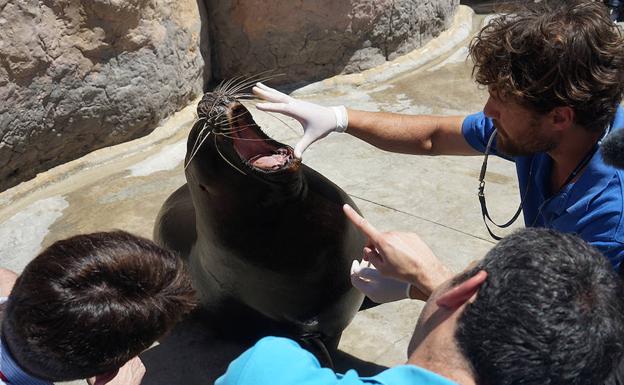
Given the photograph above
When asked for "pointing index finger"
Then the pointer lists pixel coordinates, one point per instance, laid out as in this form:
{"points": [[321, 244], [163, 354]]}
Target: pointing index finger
{"points": [[361, 223]]}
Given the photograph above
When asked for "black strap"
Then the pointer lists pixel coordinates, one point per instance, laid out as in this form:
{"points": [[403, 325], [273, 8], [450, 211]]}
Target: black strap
{"points": [[486, 215], [484, 211]]}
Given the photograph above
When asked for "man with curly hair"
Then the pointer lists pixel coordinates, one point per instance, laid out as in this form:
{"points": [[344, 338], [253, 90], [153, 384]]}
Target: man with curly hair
{"points": [[555, 74]]}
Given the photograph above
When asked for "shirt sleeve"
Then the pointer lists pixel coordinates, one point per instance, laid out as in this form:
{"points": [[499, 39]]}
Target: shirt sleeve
{"points": [[279, 361], [613, 250], [618, 120], [477, 129]]}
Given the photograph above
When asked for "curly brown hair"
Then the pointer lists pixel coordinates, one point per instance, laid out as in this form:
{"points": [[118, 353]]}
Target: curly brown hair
{"points": [[553, 54]]}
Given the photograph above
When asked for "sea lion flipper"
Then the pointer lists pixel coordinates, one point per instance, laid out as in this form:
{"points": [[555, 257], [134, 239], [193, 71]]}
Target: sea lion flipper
{"points": [[321, 350], [175, 223]]}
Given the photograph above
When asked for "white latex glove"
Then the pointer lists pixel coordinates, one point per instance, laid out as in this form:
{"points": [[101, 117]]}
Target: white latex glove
{"points": [[375, 286], [317, 121]]}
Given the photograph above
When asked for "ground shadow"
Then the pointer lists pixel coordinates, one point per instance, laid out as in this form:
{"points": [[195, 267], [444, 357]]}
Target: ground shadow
{"points": [[194, 354]]}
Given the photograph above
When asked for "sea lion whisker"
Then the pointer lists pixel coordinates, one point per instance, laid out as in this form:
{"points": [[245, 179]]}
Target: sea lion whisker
{"points": [[193, 153], [219, 118], [240, 82], [222, 119], [219, 86], [253, 78], [234, 131], [236, 117], [221, 124], [261, 77], [274, 116], [243, 84], [199, 136], [242, 127], [225, 85], [231, 83], [243, 95], [225, 159], [244, 139]]}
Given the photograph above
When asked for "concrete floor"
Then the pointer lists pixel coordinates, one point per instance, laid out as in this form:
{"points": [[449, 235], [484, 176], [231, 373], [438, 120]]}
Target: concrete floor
{"points": [[123, 187]]}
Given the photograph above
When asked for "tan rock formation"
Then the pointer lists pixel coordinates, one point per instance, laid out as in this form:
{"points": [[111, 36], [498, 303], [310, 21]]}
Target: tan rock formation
{"points": [[80, 75], [310, 40]]}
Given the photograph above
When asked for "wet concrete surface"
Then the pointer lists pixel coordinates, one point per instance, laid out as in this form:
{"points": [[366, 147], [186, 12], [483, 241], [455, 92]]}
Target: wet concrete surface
{"points": [[123, 187]]}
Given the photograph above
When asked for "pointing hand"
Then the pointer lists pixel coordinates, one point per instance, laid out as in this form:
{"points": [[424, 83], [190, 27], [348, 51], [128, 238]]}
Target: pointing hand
{"points": [[402, 256]]}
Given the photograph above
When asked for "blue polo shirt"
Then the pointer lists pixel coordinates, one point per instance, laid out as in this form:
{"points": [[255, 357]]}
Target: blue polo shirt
{"points": [[592, 207], [280, 361], [10, 370]]}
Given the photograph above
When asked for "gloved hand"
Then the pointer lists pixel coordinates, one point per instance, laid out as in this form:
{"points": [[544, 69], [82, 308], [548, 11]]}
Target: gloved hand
{"points": [[317, 121], [375, 286], [402, 256]]}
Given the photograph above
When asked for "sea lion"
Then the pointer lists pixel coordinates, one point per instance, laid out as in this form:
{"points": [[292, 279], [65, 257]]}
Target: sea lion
{"points": [[264, 236]]}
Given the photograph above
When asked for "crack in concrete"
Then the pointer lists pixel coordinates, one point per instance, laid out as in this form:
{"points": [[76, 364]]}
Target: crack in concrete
{"points": [[423, 218]]}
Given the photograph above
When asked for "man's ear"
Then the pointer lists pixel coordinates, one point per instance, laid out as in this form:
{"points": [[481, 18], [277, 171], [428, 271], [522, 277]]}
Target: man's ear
{"points": [[460, 294], [562, 118]]}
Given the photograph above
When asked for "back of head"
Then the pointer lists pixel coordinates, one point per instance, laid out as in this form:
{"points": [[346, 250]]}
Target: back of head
{"points": [[551, 312], [612, 148], [89, 303], [555, 53]]}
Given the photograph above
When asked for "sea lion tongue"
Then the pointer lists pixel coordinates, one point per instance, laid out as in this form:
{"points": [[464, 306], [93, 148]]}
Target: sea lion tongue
{"points": [[253, 146], [272, 162]]}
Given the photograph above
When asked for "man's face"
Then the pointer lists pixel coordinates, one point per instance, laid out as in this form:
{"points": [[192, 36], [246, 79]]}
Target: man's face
{"points": [[437, 318], [521, 131], [430, 317]]}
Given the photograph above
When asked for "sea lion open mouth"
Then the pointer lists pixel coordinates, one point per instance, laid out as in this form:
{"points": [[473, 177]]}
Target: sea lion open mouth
{"points": [[253, 146], [227, 127]]}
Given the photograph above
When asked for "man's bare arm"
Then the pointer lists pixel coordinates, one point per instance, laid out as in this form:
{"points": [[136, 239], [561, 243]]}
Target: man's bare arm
{"points": [[410, 134], [7, 280]]}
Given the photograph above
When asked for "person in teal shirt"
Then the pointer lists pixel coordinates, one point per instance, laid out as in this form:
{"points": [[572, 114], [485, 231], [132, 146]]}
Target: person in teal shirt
{"points": [[542, 307]]}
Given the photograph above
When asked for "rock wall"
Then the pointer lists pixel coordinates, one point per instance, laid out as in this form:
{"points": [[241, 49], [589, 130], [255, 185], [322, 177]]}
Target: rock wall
{"points": [[80, 75], [309, 40]]}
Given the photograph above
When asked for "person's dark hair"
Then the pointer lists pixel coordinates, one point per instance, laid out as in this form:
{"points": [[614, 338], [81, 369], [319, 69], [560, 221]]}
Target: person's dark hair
{"points": [[617, 375], [89, 303], [551, 311], [553, 54], [612, 148]]}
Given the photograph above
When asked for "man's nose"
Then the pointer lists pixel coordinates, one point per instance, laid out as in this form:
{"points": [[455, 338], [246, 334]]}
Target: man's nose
{"points": [[490, 109]]}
